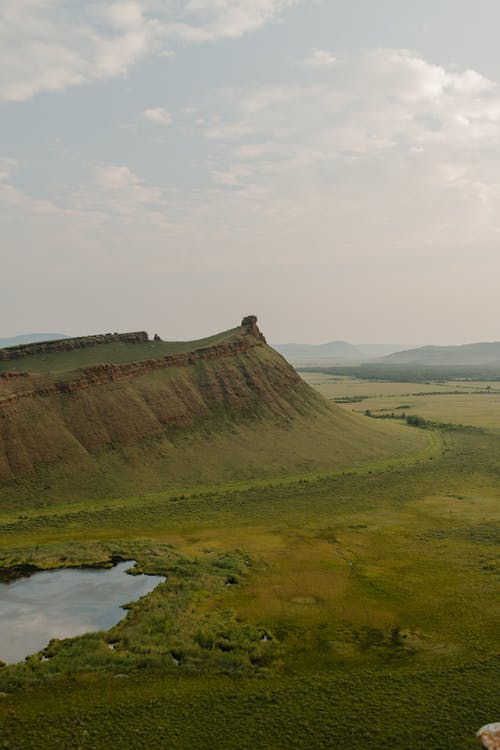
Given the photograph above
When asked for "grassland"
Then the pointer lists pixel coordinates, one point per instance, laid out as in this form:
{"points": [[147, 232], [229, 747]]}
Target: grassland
{"points": [[351, 607], [473, 403], [110, 353], [409, 372]]}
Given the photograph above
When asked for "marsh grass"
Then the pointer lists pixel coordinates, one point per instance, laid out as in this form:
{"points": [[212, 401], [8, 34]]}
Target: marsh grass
{"points": [[366, 708], [376, 589]]}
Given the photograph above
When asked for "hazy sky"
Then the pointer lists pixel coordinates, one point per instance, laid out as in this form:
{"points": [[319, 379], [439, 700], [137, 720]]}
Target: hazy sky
{"points": [[172, 165]]}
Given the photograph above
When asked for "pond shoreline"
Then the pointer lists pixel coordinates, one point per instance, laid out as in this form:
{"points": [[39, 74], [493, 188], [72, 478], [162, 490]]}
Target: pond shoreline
{"points": [[15, 572], [66, 602]]}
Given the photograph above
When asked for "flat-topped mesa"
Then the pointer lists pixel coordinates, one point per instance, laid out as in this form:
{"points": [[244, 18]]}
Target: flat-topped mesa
{"points": [[249, 324], [64, 345], [70, 415]]}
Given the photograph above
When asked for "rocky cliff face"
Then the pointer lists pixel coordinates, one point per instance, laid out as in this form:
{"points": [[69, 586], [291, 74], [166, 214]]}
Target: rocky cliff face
{"points": [[43, 420], [102, 374]]}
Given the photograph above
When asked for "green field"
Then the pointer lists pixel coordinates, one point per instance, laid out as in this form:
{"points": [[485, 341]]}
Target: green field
{"points": [[356, 607], [474, 403]]}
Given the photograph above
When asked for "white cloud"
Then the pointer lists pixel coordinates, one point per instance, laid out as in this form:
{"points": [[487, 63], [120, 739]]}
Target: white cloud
{"points": [[385, 154], [114, 178], [112, 220], [117, 190], [45, 47], [7, 166], [388, 153], [320, 58], [48, 45], [386, 150], [361, 187], [125, 15], [386, 99], [90, 201], [199, 20], [158, 115], [225, 178]]}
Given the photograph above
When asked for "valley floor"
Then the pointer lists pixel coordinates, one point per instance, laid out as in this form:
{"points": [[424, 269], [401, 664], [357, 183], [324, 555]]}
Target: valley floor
{"points": [[353, 609]]}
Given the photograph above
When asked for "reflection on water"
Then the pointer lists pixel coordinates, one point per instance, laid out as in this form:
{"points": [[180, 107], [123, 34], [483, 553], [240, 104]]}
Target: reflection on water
{"points": [[64, 603]]}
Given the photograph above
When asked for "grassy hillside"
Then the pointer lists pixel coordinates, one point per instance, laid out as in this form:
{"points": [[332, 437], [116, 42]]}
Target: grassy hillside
{"points": [[111, 353], [228, 420], [239, 414]]}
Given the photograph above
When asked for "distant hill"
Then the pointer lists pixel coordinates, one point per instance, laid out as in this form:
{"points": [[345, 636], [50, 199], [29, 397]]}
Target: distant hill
{"points": [[484, 353], [330, 350], [30, 338], [379, 350], [109, 414], [335, 351]]}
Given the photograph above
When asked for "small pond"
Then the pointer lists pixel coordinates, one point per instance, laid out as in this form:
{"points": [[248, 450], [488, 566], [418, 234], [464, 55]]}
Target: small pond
{"points": [[64, 603]]}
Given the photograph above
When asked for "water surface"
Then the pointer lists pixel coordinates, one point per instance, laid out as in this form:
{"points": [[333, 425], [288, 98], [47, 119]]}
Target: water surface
{"points": [[64, 603]]}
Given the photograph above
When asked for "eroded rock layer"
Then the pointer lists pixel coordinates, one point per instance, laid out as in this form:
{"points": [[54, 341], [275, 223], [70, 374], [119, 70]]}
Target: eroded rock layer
{"points": [[44, 418]]}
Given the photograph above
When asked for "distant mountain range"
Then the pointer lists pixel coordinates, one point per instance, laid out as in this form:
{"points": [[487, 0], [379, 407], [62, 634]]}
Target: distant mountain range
{"points": [[334, 350], [484, 353], [30, 338], [379, 350]]}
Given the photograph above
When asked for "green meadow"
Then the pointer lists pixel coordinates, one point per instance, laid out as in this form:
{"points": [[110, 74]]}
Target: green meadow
{"points": [[351, 607], [462, 401]]}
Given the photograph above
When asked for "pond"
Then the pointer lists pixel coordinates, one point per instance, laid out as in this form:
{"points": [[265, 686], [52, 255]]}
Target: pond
{"points": [[64, 603]]}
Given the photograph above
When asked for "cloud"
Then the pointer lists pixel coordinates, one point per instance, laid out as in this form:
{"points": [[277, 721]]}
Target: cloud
{"points": [[158, 115], [117, 191], [385, 100], [320, 58], [214, 19], [111, 222], [366, 189], [7, 166], [384, 153], [45, 47], [49, 45], [115, 178]]}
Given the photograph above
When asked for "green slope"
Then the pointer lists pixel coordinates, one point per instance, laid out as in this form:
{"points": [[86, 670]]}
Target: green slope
{"points": [[223, 418], [111, 353], [116, 439]]}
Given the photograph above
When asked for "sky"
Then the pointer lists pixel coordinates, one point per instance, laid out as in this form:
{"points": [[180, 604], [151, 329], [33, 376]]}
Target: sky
{"points": [[332, 166]]}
